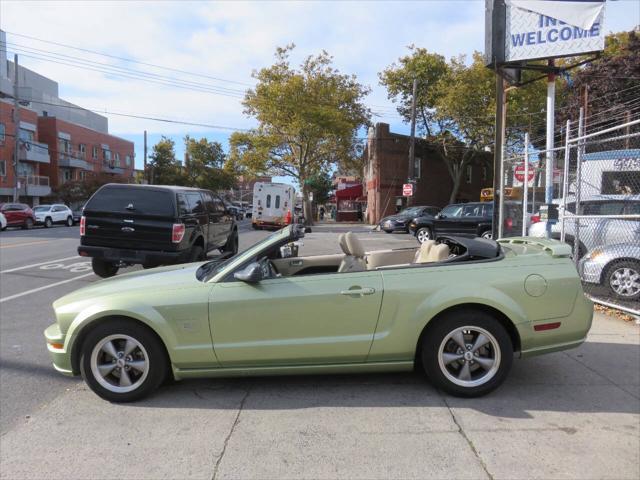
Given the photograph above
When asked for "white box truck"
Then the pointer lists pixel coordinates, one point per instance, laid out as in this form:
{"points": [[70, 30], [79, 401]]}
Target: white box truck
{"points": [[273, 205]]}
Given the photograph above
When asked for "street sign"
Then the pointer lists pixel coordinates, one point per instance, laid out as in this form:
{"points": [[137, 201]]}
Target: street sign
{"points": [[518, 172], [407, 190]]}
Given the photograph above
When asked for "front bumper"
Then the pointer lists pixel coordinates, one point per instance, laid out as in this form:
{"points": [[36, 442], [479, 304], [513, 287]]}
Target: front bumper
{"points": [[133, 256], [590, 270], [393, 227], [61, 357]]}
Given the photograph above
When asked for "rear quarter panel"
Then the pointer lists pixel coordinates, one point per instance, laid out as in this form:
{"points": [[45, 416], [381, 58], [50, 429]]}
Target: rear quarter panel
{"points": [[414, 296]]}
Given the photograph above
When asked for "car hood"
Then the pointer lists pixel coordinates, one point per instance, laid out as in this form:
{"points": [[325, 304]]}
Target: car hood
{"points": [[404, 218], [172, 277]]}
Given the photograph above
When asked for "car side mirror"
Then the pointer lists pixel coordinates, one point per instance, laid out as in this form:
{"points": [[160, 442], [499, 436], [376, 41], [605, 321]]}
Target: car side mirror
{"points": [[252, 273]]}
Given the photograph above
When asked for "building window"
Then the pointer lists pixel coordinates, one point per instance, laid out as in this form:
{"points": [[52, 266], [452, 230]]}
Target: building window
{"points": [[127, 160], [106, 155], [94, 153], [82, 149], [116, 157], [3, 168], [2, 131], [26, 135], [64, 145], [469, 173], [67, 175], [82, 175], [417, 164]]}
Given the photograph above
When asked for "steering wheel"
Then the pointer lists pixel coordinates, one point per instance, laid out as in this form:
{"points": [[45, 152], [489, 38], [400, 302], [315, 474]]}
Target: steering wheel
{"points": [[269, 270]]}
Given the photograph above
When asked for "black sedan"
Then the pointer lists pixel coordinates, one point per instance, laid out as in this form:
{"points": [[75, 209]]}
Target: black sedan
{"points": [[400, 221]]}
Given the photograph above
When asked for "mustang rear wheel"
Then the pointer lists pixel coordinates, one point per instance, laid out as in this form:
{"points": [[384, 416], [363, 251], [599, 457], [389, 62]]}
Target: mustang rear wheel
{"points": [[468, 353], [122, 361]]}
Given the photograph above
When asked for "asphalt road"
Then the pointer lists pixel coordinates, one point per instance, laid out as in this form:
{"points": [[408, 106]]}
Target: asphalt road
{"points": [[572, 414]]}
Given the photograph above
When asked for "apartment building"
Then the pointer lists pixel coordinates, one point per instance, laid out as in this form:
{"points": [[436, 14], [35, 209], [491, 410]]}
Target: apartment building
{"points": [[58, 141]]}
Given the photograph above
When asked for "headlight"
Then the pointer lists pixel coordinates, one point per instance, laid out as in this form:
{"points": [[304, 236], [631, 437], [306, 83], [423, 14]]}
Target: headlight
{"points": [[595, 253]]}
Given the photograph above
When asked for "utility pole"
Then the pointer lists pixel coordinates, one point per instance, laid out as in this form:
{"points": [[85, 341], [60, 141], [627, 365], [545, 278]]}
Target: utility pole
{"points": [[551, 98], [412, 141], [145, 173], [16, 138], [498, 166]]}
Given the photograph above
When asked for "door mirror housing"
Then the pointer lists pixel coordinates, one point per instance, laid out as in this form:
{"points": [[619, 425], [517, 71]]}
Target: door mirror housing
{"points": [[252, 273]]}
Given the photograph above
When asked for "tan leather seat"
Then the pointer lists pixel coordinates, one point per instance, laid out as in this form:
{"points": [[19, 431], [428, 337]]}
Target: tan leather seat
{"points": [[423, 252], [354, 254], [437, 253]]}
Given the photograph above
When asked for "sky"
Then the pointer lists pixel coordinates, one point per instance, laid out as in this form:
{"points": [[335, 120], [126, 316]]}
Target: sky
{"points": [[222, 43]]}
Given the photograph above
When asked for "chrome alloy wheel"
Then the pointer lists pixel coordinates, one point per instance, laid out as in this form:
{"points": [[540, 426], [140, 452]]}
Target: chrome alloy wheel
{"points": [[469, 356], [119, 363], [424, 234], [488, 235], [625, 281]]}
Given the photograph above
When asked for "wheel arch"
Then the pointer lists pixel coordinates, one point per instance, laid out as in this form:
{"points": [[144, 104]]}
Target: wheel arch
{"points": [[500, 316], [87, 328]]}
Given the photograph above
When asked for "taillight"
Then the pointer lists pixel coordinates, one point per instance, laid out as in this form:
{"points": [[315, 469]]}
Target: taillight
{"points": [[509, 222], [177, 233], [83, 221], [535, 218]]}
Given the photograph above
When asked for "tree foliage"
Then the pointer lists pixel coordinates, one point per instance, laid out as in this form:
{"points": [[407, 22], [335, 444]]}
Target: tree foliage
{"points": [[321, 186], [75, 192], [308, 119]]}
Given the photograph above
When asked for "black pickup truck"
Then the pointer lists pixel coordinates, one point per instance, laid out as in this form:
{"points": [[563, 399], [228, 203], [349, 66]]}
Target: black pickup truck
{"points": [[153, 225]]}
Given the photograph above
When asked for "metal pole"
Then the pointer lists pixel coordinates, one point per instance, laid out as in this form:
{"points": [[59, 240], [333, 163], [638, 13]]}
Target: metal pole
{"points": [[16, 123], [412, 140], [565, 180], [525, 189], [496, 230], [551, 94], [576, 241], [145, 174]]}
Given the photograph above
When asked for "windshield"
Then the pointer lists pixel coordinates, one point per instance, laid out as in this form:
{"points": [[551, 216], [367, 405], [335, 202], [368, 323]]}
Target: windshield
{"points": [[411, 211], [210, 270], [42, 208]]}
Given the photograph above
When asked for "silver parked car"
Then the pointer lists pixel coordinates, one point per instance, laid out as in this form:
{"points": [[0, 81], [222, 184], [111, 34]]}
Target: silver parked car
{"points": [[597, 231], [616, 267]]}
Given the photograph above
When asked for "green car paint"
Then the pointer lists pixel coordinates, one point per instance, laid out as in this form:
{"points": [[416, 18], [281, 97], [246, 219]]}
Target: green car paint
{"points": [[312, 324]]}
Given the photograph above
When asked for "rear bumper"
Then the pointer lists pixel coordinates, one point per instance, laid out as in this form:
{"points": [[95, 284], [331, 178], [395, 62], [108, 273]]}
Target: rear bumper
{"points": [[133, 256]]}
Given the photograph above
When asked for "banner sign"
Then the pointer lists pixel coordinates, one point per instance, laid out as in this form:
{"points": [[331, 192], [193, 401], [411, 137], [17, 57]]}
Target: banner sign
{"points": [[537, 29]]}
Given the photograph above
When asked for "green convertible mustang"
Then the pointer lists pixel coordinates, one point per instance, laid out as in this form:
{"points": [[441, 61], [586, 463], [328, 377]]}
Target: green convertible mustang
{"points": [[459, 308]]}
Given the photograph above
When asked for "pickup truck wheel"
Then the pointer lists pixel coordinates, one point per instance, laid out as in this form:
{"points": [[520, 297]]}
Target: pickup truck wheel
{"points": [[232, 244], [69, 222], [468, 353], [122, 361], [424, 234], [48, 223], [103, 269], [197, 254]]}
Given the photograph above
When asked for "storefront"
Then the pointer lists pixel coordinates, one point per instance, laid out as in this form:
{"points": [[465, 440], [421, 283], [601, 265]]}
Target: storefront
{"points": [[349, 205]]}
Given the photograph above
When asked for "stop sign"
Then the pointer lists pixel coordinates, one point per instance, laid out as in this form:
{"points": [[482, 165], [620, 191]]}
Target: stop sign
{"points": [[518, 172]]}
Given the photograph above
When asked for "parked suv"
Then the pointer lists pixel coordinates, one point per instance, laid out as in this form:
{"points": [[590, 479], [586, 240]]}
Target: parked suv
{"points": [[472, 219], [47, 215], [153, 225], [18, 215]]}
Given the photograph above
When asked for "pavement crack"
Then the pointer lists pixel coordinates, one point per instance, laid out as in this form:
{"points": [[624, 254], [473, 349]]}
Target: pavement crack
{"points": [[466, 438], [226, 440], [611, 382]]}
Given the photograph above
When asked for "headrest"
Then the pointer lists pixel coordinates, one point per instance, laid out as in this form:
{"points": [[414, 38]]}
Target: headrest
{"points": [[354, 245], [423, 252], [437, 253], [342, 241]]}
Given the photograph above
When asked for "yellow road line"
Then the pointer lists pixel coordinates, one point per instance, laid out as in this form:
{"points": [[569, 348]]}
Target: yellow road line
{"points": [[25, 244]]}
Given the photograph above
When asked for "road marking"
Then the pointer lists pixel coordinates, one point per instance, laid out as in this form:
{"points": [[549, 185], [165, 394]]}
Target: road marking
{"points": [[22, 294], [38, 264], [25, 244]]}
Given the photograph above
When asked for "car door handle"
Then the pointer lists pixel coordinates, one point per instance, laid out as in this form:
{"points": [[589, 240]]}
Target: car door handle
{"points": [[295, 263], [358, 292]]}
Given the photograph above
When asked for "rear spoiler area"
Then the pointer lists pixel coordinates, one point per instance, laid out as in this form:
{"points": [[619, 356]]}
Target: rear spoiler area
{"points": [[555, 248]]}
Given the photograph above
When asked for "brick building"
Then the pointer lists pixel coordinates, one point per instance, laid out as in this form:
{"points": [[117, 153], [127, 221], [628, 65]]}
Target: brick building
{"points": [[386, 168]]}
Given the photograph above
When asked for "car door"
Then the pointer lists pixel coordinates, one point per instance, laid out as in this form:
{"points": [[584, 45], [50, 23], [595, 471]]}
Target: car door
{"points": [[309, 319], [58, 213], [448, 219], [213, 218], [469, 220]]}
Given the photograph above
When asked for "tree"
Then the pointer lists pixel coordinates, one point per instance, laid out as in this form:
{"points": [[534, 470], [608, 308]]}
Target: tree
{"points": [[75, 192], [456, 105], [308, 119], [163, 165], [204, 165], [321, 186]]}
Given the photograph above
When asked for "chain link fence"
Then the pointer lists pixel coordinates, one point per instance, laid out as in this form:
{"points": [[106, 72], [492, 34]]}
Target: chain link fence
{"points": [[596, 190]]}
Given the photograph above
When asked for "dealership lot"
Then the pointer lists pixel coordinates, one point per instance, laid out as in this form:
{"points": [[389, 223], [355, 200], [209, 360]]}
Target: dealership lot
{"points": [[573, 414]]}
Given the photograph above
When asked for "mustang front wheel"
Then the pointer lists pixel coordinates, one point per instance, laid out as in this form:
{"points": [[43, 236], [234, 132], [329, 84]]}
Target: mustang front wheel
{"points": [[122, 361], [467, 354]]}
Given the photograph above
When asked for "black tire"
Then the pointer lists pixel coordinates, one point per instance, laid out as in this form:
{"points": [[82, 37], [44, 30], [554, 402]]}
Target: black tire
{"points": [[423, 234], [388, 231], [102, 268], [634, 267], [28, 224], [488, 234], [435, 337], [232, 244], [197, 254], [48, 223], [69, 222], [157, 363]]}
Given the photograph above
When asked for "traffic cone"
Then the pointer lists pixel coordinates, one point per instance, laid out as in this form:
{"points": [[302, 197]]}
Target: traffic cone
{"points": [[287, 218]]}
